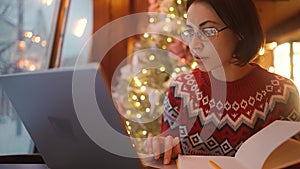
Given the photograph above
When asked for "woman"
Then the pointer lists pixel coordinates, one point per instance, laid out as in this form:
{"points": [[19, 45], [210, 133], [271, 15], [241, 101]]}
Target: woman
{"points": [[212, 110]]}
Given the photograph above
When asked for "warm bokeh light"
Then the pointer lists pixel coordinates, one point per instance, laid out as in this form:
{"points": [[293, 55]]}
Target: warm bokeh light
{"points": [[282, 60], [151, 57], [166, 28], [179, 2], [271, 69], [194, 65], [271, 46], [28, 64], [146, 35], [79, 27], [28, 34], [296, 60], [171, 8], [162, 69], [22, 45], [185, 15], [261, 51], [47, 2], [151, 20], [37, 39], [44, 43]]}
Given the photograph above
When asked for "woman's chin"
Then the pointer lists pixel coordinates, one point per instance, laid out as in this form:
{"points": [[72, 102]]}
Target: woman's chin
{"points": [[203, 68]]}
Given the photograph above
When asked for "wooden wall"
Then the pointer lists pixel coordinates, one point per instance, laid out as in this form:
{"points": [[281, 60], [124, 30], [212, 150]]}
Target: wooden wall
{"points": [[106, 11]]}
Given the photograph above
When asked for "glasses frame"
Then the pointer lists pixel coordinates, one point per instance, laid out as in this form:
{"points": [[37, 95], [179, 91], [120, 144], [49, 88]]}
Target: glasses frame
{"points": [[202, 34]]}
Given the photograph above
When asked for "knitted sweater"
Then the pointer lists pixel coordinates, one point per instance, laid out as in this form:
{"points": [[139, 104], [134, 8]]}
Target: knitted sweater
{"points": [[213, 117]]}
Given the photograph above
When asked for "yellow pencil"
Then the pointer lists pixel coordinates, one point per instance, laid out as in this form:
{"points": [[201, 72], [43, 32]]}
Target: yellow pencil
{"points": [[215, 165]]}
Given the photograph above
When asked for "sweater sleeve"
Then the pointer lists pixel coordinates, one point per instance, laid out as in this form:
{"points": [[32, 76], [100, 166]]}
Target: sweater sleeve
{"points": [[291, 110], [170, 112]]}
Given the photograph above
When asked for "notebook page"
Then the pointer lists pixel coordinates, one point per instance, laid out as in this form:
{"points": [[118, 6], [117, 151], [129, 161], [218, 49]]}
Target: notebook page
{"points": [[258, 147], [196, 162]]}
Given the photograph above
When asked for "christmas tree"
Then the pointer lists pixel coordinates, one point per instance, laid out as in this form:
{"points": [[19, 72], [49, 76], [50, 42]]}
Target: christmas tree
{"points": [[143, 82]]}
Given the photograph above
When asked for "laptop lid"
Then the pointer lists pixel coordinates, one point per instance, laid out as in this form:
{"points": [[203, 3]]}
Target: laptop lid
{"points": [[71, 118]]}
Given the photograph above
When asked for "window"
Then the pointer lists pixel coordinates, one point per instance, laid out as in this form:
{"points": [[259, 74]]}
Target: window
{"points": [[78, 32], [27, 31], [287, 61]]}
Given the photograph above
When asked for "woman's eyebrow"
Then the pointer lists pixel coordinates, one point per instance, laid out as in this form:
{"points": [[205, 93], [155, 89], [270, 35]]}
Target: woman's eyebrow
{"points": [[206, 22], [187, 25], [201, 24]]}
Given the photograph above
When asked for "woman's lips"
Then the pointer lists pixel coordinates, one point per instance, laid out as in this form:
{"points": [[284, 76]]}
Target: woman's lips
{"points": [[201, 58]]}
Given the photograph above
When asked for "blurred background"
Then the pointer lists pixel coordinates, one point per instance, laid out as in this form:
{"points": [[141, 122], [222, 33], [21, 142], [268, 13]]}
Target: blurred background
{"points": [[42, 34]]}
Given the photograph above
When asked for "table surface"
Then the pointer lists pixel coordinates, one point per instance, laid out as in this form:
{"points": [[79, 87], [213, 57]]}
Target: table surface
{"points": [[36, 162], [23, 166]]}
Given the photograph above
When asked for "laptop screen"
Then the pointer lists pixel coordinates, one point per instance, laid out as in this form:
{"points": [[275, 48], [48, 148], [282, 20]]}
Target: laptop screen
{"points": [[71, 118]]}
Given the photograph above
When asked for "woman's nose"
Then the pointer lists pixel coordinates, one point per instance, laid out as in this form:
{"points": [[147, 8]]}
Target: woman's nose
{"points": [[196, 43]]}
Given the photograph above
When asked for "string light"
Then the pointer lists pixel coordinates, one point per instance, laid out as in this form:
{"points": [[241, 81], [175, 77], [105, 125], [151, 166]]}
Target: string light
{"points": [[162, 69], [143, 97], [183, 69], [194, 65], [173, 15], [151, 20], [138, 116], [166, 28], [185, 15], [179, 2], [143, 88], [146, 35], [137, 104], [137, 81], [168, 20], [169, 40], [177, 70], [151, 57], [134, 97], [128, 112], [171, 9], [144, 71]]}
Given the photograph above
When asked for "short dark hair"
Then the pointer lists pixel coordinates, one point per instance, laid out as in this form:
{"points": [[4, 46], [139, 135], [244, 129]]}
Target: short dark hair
{"points": [[242, 18]]}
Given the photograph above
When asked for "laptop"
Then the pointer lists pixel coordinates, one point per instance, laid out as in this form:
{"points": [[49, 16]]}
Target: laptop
{"points": [[71, 118]]}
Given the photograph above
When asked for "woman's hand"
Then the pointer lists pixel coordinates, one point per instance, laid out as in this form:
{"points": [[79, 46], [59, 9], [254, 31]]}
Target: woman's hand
{"points": [[168, 146]]}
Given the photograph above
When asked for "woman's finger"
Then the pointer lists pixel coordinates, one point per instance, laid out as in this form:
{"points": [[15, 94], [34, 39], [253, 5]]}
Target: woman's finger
{"points": [[149, 144], [176, 147], [156, 147], [168, 146]]}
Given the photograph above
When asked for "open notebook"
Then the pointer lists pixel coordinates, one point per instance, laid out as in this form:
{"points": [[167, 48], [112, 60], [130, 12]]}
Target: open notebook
{"points": [[270, 148]]}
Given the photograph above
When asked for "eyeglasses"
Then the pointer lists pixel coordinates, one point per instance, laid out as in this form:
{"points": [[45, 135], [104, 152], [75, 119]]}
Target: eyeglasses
{"points": [[203, 34]]}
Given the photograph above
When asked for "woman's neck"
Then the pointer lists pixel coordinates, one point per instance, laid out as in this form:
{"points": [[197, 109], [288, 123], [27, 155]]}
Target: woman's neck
{"points": [[231, 72]]}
